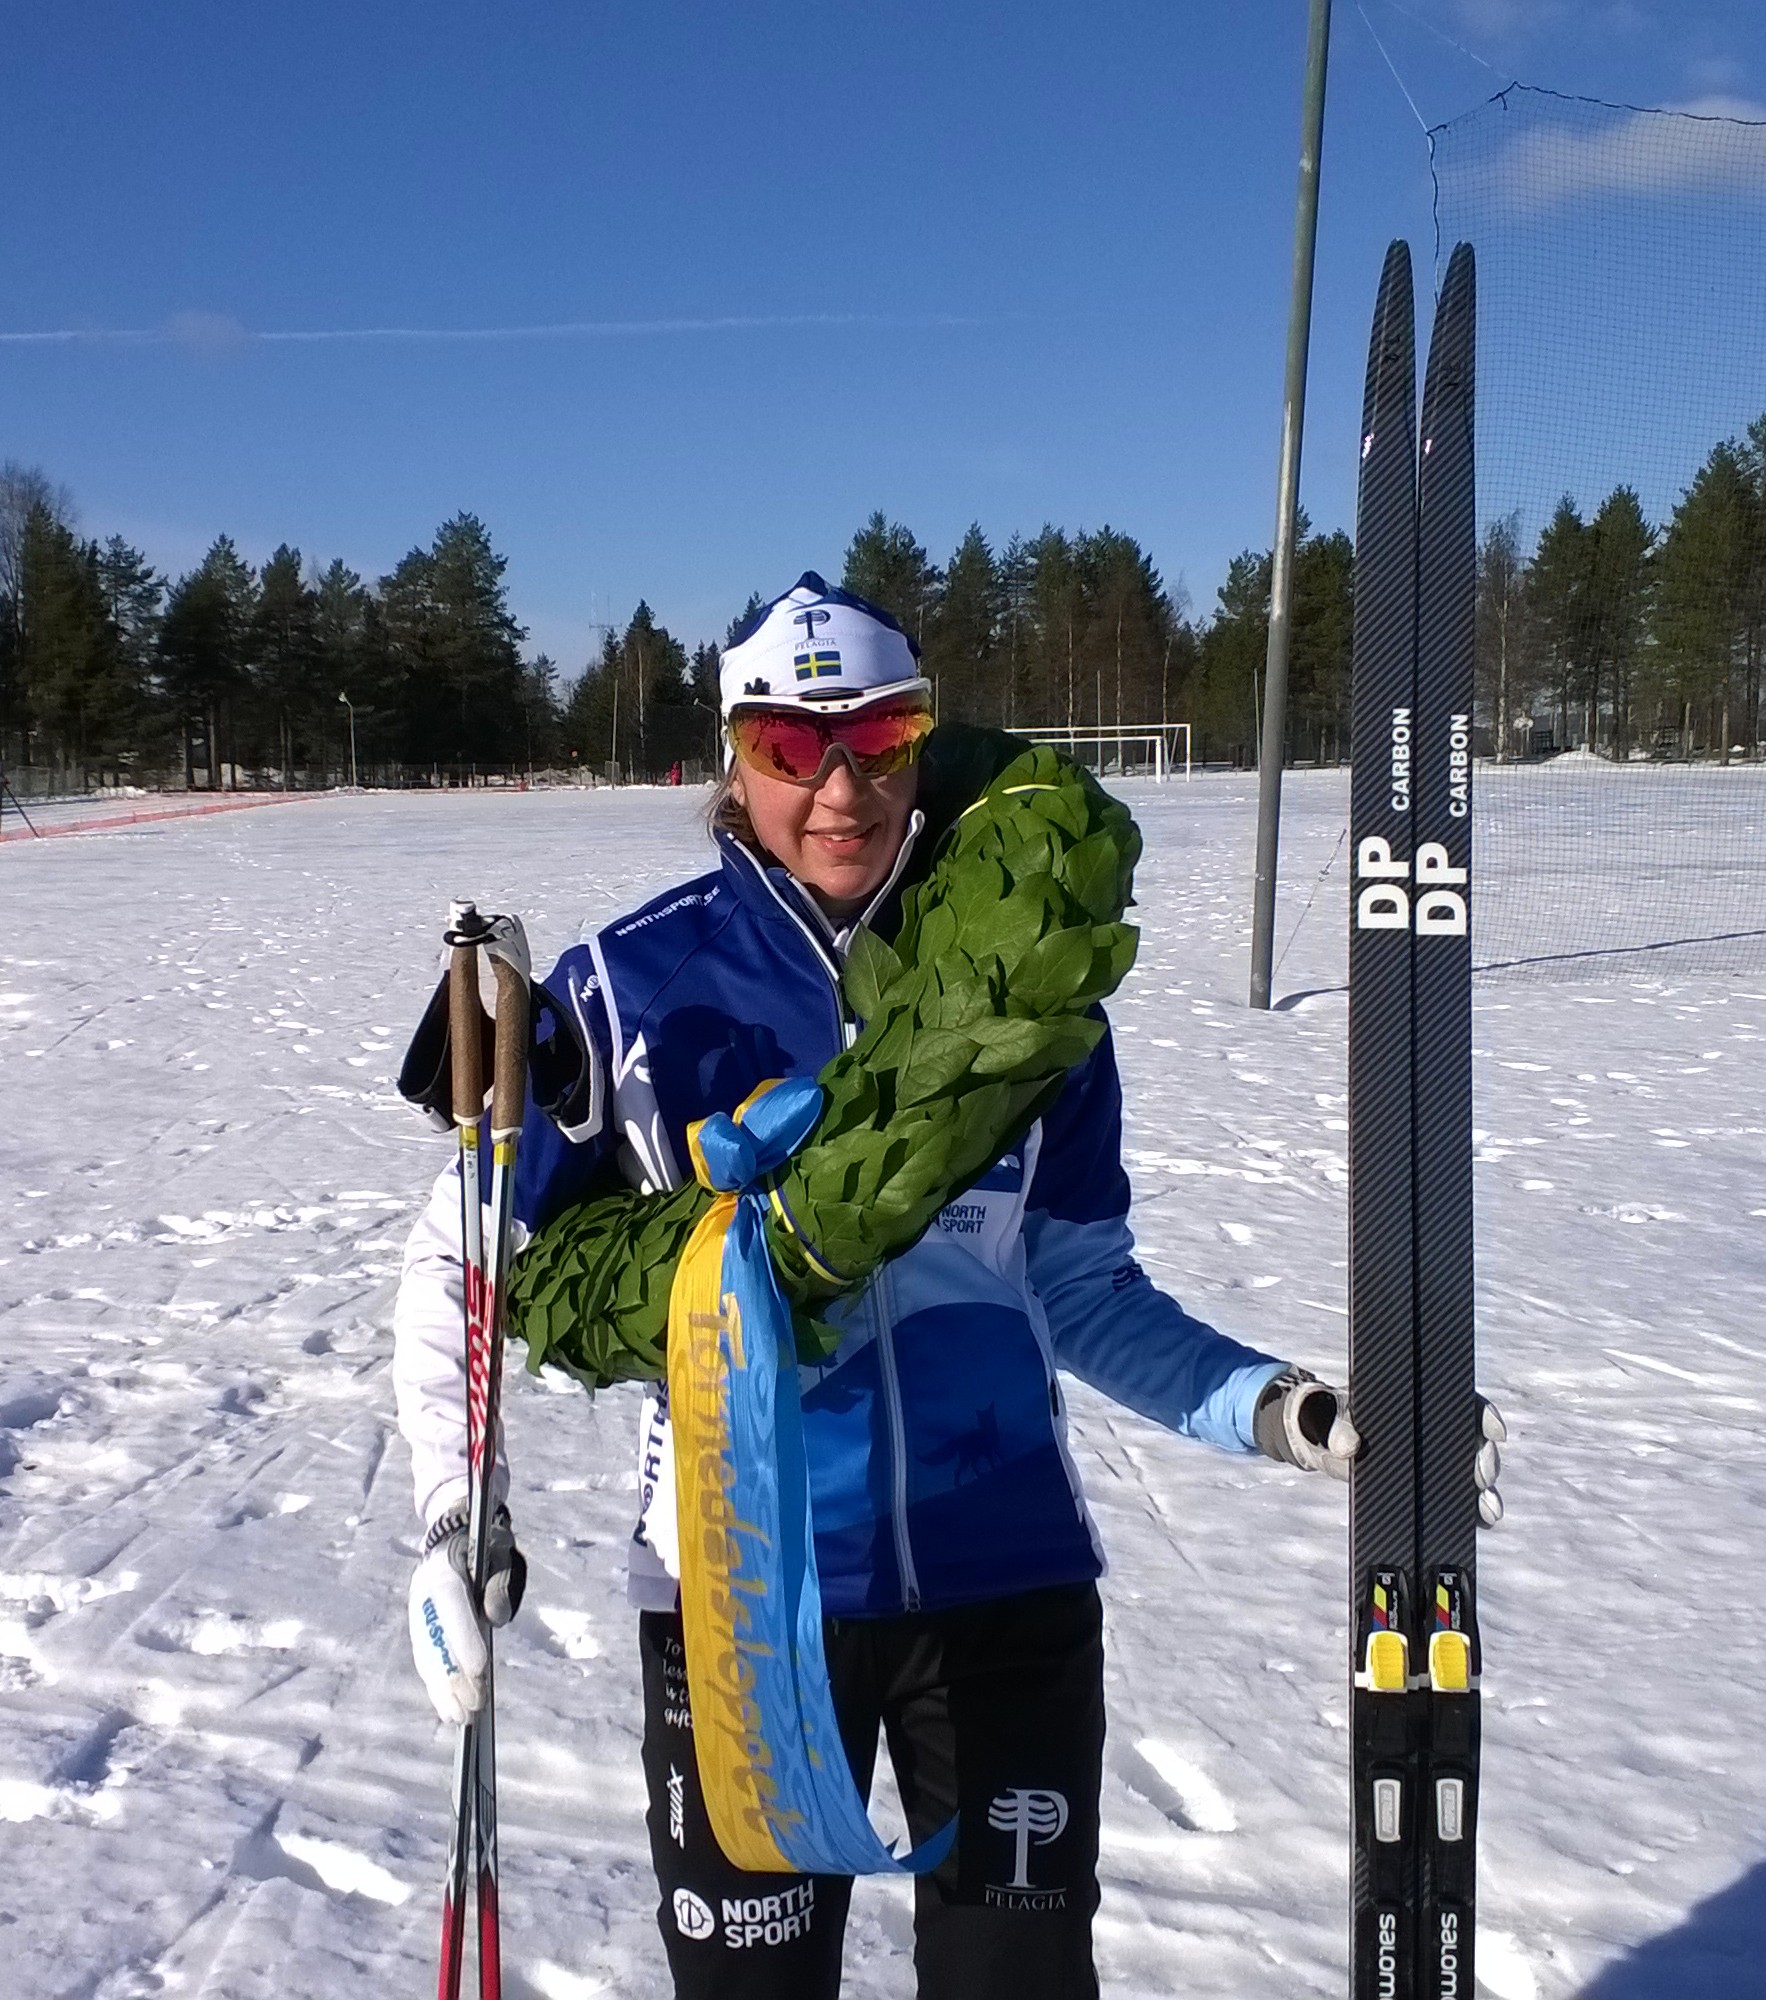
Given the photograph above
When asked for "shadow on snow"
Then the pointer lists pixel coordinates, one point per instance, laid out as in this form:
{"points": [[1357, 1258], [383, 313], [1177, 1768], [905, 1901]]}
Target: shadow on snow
{"points": [[1718, 1953]]}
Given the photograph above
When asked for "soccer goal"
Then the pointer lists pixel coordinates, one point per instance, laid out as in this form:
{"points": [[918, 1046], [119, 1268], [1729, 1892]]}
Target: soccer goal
{"points": [[1159, 746]]}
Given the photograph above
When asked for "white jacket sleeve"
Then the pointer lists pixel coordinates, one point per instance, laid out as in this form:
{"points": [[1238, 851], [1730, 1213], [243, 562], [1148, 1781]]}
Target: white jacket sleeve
{"points": [[429, 1357]]}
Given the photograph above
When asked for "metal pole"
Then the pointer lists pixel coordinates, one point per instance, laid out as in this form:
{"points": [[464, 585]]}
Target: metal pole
{"points": [[350, 705], [1281, 588]]}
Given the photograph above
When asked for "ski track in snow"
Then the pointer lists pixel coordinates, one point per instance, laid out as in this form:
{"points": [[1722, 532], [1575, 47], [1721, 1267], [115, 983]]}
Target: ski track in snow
{"points": [[218, 1774]]}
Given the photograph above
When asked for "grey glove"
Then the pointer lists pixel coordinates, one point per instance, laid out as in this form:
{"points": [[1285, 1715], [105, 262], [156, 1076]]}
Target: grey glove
{"points": [[1305, 1422]]}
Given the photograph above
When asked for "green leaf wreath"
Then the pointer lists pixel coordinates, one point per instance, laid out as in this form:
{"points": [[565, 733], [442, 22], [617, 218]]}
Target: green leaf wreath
{"points": [[972, 1017]]}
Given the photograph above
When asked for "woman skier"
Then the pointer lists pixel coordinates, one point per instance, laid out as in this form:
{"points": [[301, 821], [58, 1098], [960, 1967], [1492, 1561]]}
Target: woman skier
{"points": [[958, 1563]]}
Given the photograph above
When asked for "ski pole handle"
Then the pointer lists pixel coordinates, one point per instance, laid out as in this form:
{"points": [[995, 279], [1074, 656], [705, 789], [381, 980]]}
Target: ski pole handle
{"points": [[465, 1011], [509, 1081]]}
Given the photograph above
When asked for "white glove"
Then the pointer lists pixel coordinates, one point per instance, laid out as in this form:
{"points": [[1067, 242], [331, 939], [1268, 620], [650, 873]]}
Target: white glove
{"points": [[1487, 1465], [447, 1634], [1305, 1422]]}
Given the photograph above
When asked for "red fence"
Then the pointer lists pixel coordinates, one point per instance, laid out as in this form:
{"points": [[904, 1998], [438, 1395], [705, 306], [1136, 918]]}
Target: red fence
{"points": [[133, 813]]}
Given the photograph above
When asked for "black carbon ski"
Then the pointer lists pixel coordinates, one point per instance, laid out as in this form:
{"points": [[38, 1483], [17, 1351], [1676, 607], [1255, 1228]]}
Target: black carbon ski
{"points": [[1412, 1375], [1447, 556], [1383, 1489]]}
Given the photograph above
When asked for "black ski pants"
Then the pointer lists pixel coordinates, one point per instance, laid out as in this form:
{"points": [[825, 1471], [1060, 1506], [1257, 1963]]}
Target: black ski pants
{"points": [[993, 1712]]}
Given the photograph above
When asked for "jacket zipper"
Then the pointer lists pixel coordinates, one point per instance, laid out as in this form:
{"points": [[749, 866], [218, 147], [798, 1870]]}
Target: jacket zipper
{"points": [[898, 1442], [820, 951]]}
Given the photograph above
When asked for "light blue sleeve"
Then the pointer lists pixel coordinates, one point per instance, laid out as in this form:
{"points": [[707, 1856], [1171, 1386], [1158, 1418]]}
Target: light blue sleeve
{"points": [[1114, 1328]]}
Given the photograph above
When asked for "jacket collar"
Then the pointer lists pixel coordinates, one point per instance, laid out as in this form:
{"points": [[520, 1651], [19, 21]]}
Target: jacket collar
{"points": [[774, 892]]}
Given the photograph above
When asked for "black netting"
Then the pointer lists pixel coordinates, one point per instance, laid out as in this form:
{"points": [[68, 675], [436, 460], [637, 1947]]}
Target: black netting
{"points": [[1622, 503]]}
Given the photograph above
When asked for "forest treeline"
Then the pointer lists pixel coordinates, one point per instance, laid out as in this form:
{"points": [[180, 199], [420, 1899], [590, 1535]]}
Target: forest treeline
{"points": [[110, 671], [1628, 637], [1612, 631]]}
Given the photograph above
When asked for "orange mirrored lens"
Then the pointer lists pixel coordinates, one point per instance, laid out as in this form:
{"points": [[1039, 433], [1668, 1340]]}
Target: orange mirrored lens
{"points": [[789, 744]]}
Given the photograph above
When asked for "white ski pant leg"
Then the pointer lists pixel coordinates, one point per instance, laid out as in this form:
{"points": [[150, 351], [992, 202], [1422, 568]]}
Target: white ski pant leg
{"points": [[429, 1356]]}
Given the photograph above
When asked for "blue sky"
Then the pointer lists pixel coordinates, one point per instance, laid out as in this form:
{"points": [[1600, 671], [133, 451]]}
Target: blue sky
{"points": [[999, 261]]}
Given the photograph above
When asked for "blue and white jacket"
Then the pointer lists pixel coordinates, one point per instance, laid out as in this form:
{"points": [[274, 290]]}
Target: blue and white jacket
{"points": [[936, 1432]]}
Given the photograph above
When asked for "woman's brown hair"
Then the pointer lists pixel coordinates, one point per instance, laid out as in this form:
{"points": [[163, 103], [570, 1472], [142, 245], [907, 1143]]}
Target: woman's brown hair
{"points": [[727, 814]]}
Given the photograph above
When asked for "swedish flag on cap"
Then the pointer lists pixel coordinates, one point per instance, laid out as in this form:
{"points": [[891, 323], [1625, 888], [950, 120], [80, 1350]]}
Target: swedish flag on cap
{"points": [[822, 648]]}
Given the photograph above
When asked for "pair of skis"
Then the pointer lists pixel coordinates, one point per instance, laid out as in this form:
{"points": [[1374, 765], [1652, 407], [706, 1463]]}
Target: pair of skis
{"points": [[472, 1847], [1413, 1507]]}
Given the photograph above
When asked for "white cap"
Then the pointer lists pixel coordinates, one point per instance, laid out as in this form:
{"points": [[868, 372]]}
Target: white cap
{"points": [[819, 648]]}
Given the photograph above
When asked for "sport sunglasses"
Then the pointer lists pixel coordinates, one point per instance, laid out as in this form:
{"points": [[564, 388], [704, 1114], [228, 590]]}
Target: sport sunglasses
{"points": [[795, 746]]}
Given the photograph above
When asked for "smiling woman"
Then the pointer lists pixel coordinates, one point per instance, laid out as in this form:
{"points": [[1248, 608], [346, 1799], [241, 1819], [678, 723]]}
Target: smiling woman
{"points": [[860, 1067]]}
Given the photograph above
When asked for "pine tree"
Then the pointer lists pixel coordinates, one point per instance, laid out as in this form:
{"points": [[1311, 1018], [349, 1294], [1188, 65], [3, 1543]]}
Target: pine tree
{"points": [[1126, 628], [66, 647], [204, 643], [1227, 706], [704, 674], [23, 489], [477, 639], [1560, 614], [1180, 662], [454, 646], [586, 728], [743, 619], [1056, 597], [132, 593], [539, 712], [1016, 571], [960, 644], [1620, 575], [637, 707], [285, 651], [1234, 647], [886, 565], [1711, 612], [1320, 645], [352, 657]]}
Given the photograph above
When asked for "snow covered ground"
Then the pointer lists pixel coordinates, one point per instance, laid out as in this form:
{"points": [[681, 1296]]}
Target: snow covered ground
{"points": [[218, 1775]]}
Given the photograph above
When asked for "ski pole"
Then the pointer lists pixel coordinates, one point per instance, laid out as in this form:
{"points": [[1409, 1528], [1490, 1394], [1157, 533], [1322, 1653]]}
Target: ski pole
{"points": [[474, 1826]]}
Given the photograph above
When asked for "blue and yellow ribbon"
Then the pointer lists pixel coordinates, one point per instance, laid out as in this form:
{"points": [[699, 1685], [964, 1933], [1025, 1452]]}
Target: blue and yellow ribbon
{"points": [[771, 1764]]}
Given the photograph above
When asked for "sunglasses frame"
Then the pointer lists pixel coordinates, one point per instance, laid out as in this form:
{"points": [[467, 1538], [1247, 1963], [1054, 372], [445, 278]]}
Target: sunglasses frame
{"points": [[826, 729]]}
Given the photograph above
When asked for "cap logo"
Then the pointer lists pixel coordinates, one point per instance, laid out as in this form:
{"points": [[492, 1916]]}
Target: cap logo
{"points": [[813, 662], [758, 687]]}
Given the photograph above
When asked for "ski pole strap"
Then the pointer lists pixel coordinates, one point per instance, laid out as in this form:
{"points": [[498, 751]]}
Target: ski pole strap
{"points": [[777, 1785], [562, 1075]]}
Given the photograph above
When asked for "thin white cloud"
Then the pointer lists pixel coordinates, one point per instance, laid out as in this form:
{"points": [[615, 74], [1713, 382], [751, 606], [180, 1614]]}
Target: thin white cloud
{"points": [[1517, 19], [212, 335], [1715, 144], [1715, 75], [1505, 17], [219, 333]]}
